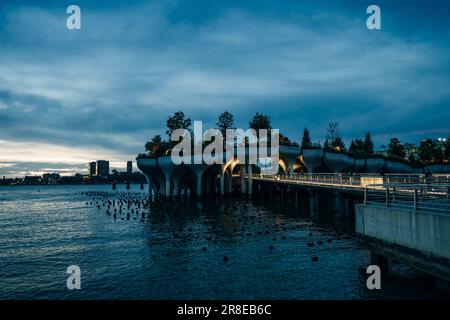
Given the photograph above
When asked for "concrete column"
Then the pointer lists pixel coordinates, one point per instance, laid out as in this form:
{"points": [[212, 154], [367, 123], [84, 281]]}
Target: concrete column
{"points": [[222, 183], [313, 205], [242, 175], [249, 179], [150, 188], [230, 183], [336, 202], [176, 190], [167, 186], [199, 185], [208, 184]]}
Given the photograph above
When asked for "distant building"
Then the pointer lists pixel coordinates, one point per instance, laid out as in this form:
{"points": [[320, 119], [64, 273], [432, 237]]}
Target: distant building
{"points": [[50, 178], [102, 168], [92, 168], [411, 150], [32, 180], [440, 143], [130, 167], [5, 181]]}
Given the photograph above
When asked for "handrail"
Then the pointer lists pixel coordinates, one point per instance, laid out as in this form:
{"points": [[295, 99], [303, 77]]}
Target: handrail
{"points": [[356, 180], [428, 197]]}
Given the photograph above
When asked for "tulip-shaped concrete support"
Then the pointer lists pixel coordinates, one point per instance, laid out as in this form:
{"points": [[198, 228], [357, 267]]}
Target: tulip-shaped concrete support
{"points": [[150, 189], [249, 179], [199, 186], [167, 186], [242, 176], [222, 182]]}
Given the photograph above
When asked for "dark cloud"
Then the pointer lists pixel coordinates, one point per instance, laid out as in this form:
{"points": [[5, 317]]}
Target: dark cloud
{"points": [[111, 85]]}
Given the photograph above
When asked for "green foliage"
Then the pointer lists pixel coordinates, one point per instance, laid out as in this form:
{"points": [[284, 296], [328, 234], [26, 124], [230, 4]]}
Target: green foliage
{"points": [[361, 147], [284, 141], [177, 121], [429, 151], [334, 139], [157, 147], [260, 121], [326, 145], [396, 149], [306, 140], [357, 147], [225, 121], [368, 144]]}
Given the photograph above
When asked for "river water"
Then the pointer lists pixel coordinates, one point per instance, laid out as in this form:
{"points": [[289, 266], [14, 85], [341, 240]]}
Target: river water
{"points": [[177, 251]]}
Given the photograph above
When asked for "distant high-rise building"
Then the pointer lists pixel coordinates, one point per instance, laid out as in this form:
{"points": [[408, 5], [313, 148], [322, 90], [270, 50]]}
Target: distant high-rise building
{"points": [[129, 167], [102, 168], [92, 168]]}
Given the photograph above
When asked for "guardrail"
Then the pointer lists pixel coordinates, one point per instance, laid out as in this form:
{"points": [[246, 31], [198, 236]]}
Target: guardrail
{"points": [[429, 197], [416, 178], [340, 179], [321, 178], [416, 196]]}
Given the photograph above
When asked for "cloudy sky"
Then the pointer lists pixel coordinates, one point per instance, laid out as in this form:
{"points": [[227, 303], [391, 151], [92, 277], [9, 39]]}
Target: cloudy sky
{"points": [[71, 96]]}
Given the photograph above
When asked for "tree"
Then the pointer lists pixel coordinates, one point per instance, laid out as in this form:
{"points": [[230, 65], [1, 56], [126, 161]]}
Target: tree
{"points": [[395, 149], [306, 140], [338, 145], [368, 144], [326, 145], [352, 147], [284, 141], [157, 147], [260, 121], [225, 121], [357, 147], [177, 121], [333, 136], [429, 151]]}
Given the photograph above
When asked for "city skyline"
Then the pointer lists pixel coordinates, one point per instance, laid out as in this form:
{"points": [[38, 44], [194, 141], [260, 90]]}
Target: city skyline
{"points": [[304, 63], [82, 168]]}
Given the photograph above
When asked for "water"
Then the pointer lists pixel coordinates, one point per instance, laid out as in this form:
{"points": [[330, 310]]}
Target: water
{"points": [[177, 251]]}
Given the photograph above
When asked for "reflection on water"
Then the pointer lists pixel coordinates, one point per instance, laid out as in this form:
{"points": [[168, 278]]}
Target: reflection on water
{"points": [[176, 250]]}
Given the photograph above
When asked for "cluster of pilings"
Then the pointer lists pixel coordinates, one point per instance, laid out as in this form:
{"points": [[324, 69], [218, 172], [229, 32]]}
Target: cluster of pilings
{"points": [[321, 204]]}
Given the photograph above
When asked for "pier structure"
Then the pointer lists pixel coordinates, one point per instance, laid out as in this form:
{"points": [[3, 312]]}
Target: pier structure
{"points": [[168, 179], [401, 217], [407, 223], [296, 168], [188, 179]]}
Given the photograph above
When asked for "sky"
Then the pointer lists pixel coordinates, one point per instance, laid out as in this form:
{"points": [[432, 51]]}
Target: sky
{"points": [[68, 97]]}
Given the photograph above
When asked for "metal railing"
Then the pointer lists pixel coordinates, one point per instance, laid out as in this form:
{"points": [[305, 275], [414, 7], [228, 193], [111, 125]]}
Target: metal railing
{"points": [[358, 180], [320, 178], [428, 197], [417, 178]]}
